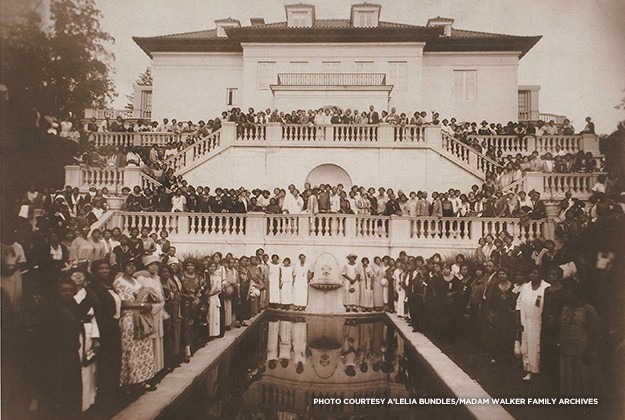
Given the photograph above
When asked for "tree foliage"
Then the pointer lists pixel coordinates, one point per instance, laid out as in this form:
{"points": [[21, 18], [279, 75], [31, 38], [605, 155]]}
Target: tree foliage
{"points": [[64, 67]]}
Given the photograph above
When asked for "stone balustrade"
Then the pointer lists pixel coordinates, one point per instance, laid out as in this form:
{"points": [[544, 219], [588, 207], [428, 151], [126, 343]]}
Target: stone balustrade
{"points": [[134, 139], [193, 231], [543, 144], [553, 185], [112, 178]]}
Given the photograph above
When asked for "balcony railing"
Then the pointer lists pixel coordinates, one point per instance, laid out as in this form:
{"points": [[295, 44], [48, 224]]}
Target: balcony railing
{"points": [[325, 229], [331, 79]]}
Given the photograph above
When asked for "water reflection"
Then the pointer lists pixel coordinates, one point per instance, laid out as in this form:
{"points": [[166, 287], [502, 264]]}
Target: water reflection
{"points": [[284, 364]]}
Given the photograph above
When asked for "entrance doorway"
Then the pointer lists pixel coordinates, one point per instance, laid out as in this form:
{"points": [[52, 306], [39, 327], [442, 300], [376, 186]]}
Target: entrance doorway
{"points": [[329, 173]]}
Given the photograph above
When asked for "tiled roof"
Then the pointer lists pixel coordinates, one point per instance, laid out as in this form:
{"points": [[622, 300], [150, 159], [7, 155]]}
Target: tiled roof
{"points": [[337, 30]]}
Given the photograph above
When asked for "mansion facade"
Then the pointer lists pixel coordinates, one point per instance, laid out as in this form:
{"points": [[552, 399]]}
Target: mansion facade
{"points": [[306, 62]]}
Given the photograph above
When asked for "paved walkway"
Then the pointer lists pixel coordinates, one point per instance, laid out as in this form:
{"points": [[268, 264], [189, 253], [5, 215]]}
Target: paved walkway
{"points": [[455, 379], [151, 404]]}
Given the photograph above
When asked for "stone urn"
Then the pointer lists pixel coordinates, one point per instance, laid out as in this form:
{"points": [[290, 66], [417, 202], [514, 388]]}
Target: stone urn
{"points": [[326, 286]]}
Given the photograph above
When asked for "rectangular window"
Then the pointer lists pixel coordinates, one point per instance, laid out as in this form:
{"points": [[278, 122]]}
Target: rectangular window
{"points": [[364, 66], [331, 66], [266, 74], [364, 19], [465, 85], [397, 75], [231, 96], [146, 100], [300, 19], [298, 66]]}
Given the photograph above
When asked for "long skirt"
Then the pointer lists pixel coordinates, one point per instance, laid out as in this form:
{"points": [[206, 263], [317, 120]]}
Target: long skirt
{"points": [[530, 346], [366, 297], [351, 295], [401, 297], [274, 290], [378, 294], [214, 306], [228, 318], [286, 293], [88, 373], [300, 292], [137, 355]]}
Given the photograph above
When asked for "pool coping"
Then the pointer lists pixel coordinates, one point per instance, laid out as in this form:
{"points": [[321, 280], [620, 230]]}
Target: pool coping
{"points": [[151, 405], [450, 374]]}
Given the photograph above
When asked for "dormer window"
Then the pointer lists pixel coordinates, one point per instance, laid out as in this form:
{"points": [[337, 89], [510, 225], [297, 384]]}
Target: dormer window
{"points": [[222, 24], [441, 22], [300, 15], [365, 15]]}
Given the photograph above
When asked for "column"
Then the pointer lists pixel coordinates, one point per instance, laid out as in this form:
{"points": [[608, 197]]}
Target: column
{"points": [[72, 175], [132, 176], [433, 137], [386, 134], [228, 133], [274, 134]]}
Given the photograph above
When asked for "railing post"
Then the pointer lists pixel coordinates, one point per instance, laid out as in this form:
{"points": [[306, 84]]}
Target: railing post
{"points": [[590, 143], [386, 134], [72, 175], [274, 134], [531, 143], [132, 176], [350, 226], [433, 137], [136, 139], [228, 133], [255, 228], [399, 230], [535, 181], [475, 229]]}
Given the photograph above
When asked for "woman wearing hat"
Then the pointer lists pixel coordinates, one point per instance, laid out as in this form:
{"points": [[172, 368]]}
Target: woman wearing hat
{"points": [[137, 363], [172, 326], [191, 296], [351, 278], [499, 308], [214, 280], [149, 279]]}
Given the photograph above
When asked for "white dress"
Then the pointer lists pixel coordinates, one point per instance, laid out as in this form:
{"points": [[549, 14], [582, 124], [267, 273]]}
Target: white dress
{"points": [[286, 292], [91, 332], [300, 285], [214, 305], [285, 346], [398, 276], [274, 283], [299, 342], [351, 298], [530, 302], [273, 328]]}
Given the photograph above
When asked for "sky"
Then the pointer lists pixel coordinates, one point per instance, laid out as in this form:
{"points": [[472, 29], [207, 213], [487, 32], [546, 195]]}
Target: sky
{"points": [[579, 63]]}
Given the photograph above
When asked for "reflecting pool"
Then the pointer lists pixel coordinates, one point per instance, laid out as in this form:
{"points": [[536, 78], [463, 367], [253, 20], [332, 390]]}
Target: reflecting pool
{"points": [[308, 367]]}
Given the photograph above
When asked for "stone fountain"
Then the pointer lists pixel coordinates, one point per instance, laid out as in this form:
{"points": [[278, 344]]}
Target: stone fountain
{"points": [[325, 292]]}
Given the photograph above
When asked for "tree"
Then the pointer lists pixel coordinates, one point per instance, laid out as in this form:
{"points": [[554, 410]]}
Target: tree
{"points": [[144, 79], [62, 68]]}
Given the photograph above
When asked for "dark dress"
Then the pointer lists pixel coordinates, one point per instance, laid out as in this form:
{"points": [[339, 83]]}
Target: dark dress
{"points": [[499, 322], [550, 330], [109, 354], [63, 371]]}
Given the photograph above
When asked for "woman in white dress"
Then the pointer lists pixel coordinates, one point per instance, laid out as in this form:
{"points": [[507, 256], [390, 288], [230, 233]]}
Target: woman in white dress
{"points": [[214, 283], [286, 284], [299, 346], [529, 309], [366, 292], [89, 339], [275, 271], [351, 285], [301, 275], [399, 276], [149, 279]]}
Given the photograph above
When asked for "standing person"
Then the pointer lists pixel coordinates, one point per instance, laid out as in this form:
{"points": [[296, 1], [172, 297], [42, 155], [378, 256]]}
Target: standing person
{"points": [[400, 288], [137, 362], [301, 276], [231, 285], [500, 324], [149, 279], [243, 307], [550, 330], [286, 284], [579, 333], [61, 331], [171, 323], [351, 277], [366, 285], [256, 279], [191, 296], [529, 308], [214, 284], [89, 337], [107, 314], [274, 281], [378, 288]]}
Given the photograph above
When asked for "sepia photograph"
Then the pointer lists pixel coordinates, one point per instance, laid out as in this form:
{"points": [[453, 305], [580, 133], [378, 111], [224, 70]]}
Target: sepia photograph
{"points": [[332, 210]]}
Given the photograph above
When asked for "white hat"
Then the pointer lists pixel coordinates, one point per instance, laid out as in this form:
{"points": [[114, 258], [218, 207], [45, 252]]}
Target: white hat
{"points": [[351, 254], [150, 259], [173, 260]]}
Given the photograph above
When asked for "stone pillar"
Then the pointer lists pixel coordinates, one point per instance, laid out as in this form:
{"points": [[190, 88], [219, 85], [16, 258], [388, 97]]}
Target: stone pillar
{"points": [[535, 181], [399, 230], [386, 134], [531, 143], [72, 175], [433, 137], [475, 229], [132, 176], [255, 225], [228, 133], [590, 143], [274, 134]]}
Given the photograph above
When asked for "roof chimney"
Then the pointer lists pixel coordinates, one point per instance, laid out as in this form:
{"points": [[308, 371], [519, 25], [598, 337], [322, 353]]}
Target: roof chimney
{"points": [[257, 21], [441, 22], [222, 24]]}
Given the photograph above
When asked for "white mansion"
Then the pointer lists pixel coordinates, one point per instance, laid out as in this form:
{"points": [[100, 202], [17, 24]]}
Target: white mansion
{"points": [[307, 62]]}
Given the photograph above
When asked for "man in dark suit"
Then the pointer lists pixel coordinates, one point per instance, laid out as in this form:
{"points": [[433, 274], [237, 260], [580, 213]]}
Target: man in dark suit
{"points": [[538, 210], [374, 117]]}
